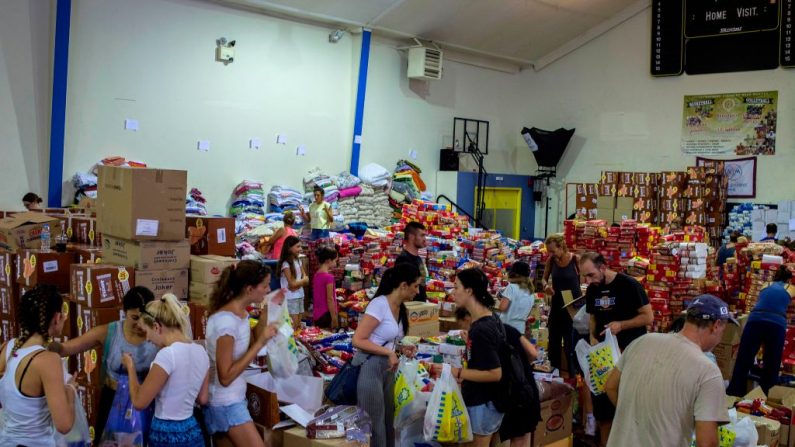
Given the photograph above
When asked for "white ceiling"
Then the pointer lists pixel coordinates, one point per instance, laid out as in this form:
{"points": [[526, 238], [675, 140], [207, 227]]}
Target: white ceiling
{"points": [[527, 32]]}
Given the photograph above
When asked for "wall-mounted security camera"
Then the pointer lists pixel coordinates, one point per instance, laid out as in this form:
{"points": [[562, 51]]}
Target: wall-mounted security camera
{"points": [[336, 35], [225, 51]]}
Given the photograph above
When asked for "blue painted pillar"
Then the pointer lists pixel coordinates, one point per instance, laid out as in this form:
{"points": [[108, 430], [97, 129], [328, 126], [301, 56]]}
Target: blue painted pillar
{"points": [[364, 61], [58, 114]]}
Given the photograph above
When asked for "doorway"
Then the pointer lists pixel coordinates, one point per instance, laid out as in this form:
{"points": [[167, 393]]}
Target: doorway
{"points": [[502, 210]]}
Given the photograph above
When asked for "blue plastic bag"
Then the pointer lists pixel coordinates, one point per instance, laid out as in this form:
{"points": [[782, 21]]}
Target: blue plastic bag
{"points": [[126, 426]]}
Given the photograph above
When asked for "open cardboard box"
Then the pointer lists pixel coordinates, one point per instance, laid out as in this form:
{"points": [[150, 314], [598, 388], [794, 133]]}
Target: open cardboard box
{"points": [[778, 397]]}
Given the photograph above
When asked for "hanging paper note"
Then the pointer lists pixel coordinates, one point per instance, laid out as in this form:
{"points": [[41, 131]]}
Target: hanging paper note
{"points": [[204, 145]]}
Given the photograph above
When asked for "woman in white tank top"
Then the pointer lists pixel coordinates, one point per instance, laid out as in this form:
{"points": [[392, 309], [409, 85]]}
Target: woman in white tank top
{"points": [[32, 389]]}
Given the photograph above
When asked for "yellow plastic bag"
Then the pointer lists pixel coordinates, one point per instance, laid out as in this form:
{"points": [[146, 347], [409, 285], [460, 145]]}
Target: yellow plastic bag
{"points": [[597, 361], [447, 418]]}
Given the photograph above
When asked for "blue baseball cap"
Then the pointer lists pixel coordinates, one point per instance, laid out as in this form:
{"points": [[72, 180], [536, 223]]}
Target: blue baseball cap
{"points": [[710, 307]]}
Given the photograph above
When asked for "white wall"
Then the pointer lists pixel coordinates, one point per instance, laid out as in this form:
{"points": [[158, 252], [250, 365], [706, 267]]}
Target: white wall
{"points": [[628, 121], [25, 97]]}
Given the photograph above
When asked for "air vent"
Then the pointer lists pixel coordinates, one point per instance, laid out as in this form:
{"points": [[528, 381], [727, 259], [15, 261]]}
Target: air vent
{"points": [[425, 63]]}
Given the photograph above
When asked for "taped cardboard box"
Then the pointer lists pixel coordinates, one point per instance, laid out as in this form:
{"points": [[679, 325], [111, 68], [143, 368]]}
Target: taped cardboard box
{"points": [[8, 329], [44, 267], [422, 312], [426, 329], [556, 420], [161, 282], [200, 292], [23, 230], [141, 204], [208, 269], [296, 437], [606, 202], [9, 302], [7, 268], [146, 255], [101, 285], [199, 314], [211, 235], [88, 318], [778, 397], [69, 311], [88, 255], [84, 231]]}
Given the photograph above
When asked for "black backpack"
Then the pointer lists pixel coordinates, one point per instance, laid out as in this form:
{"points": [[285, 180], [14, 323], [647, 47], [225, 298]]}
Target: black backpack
{"points": [[517, 392]]}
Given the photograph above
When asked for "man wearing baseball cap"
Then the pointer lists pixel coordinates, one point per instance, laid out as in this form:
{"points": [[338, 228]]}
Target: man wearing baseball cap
{"points": [[665, 388]]}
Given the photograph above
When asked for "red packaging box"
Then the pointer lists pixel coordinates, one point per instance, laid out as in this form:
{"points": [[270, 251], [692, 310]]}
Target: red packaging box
{"points": [[9, 302], [101, 285], [7, 268], [45, 267], [90, 317], [211, 235]]}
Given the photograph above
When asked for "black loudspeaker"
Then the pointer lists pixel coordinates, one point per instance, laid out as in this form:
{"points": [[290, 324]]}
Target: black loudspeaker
{"points": [[448, 160]]}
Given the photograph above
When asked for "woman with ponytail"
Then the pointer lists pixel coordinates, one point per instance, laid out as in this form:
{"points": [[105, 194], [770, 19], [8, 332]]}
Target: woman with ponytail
{"points": [[231, 349], [115, 339], [178, 378], [32, 389], [383, 324], [518, 298], [480, 380]]}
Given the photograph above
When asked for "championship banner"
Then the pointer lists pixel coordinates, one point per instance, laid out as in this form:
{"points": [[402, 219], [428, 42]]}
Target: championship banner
{"points": [[741, 173], [730, 123]]}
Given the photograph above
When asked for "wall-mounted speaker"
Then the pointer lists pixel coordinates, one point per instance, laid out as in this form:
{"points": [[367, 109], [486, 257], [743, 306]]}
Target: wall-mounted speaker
{"points": [[448, 160]]}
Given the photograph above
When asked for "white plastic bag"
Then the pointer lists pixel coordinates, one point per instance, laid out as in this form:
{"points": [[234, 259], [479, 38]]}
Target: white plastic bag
{"points": [[737, 433], [410, 402], [597, 361], [282, 349], [79, 435], [447, 418], [582, 321]]}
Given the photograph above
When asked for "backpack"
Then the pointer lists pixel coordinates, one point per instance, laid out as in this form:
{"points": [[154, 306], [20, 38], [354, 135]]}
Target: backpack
{"points": [[516, 391]]}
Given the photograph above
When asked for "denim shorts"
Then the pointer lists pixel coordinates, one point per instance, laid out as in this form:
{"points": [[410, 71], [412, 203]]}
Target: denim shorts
{"points": [[485, 419], [295, 306], [221, 419], [319, 234]]}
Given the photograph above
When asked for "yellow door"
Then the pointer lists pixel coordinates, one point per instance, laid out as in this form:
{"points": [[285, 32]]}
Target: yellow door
{"points": [[502, 210]]}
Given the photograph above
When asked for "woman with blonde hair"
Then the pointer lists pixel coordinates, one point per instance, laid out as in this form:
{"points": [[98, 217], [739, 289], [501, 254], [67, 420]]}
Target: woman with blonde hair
{"points": [[179, 376], [560, 274], [274, 245]]}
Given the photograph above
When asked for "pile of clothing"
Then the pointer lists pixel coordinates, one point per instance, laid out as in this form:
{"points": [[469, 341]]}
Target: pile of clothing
{"points": [[407, 185], [85, 186], [317, 178], [375, 175], [248, 201], [372, 207], [282, 198], [196, 204]]}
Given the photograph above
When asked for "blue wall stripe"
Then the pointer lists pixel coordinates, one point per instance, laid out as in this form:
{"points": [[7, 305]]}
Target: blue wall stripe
{"points": [[63, 18], [361, 91]]}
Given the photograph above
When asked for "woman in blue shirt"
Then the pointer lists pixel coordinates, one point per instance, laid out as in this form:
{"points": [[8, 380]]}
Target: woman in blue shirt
{"points": [[767, 326]]}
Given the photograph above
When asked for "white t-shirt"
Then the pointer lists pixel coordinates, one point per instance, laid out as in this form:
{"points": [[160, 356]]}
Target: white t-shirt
{"points": [[521, 303], [186, 365], [388, 330], [299, 274], [218, 325], [667, 384]]}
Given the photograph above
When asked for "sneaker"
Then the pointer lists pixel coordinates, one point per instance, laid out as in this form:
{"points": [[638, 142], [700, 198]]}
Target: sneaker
{"points": [[590, 425]]}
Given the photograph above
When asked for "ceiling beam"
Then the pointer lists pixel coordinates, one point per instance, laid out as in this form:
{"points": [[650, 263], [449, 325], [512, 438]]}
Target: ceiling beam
{"points": [[395, 5], [581, 40]]}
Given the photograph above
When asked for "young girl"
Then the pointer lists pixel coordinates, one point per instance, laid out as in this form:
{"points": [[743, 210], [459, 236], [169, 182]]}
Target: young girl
{"points": [[274, 245], [32, 388], [231, 350], [384, 322], [320, 215], [178, 378], [518, 298], [324, 297], [480, 379], [293, 278]]}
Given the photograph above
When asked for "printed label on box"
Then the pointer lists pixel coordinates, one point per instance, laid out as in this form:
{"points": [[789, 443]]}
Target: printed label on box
{"points": [[146, 227], [50, 266], [105, 287], [221, 235]]}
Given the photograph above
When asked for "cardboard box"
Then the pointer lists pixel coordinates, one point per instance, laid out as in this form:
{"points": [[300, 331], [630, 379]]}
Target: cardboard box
{"points": [[8, 329], [84, 231], [605, 214], [69, 311], [89, 396], [146, 255], [7, 268], [296, 437], [9, 302], [23, 230], [426, 329], [610, 177], [88, 255], [161, 282], [45, 267], [556, 420], [200, 292], [262, 405], [90, 317], [625, 203], [141, 204], [778, 397], [208, 269], [101, 285], [625, 190], [89, 367], [620, 214], [211, 235], [198, 319], [422, 312], [606, 202]]}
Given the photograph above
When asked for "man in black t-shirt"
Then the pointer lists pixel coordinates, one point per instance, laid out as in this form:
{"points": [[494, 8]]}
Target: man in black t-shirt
{"points": [[413, 242], [617, 302]]}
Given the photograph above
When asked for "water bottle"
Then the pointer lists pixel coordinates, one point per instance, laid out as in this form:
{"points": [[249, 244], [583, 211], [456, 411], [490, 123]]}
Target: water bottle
{"points": [[45, 237]]}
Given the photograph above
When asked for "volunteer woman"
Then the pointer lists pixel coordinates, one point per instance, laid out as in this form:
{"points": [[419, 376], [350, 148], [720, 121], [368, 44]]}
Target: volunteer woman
{"points": [[31, 201], [766, 326], [384, 323], [32, 389], [178, 378], [231, 351], [319, 216], [274, 245], [562, 270], [115, 339], [516, 300]]}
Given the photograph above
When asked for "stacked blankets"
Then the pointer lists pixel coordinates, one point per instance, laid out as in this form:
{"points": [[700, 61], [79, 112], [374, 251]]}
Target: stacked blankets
{"points": [[407, 185], [316, 178], [375, 175], [248, 200], [282, 198], [196, 204]]}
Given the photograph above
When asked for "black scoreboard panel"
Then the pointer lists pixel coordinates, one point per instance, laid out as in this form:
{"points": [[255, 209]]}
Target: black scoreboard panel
{"points": [[717, 36]]}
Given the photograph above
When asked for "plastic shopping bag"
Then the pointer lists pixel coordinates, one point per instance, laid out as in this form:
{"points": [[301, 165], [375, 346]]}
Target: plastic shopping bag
{"points": [[447, 418], [582, 321], [79, 435], [282, 348], [126, 426], [597, 361], [410, 401], [737, 433]]}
